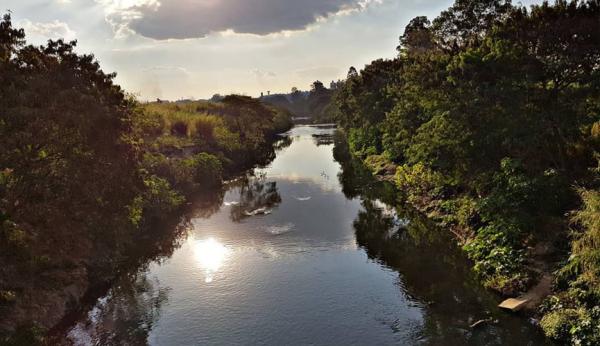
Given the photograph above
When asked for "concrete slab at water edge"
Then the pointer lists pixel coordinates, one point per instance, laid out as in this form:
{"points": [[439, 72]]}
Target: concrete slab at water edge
{"points": [[513, 304]]}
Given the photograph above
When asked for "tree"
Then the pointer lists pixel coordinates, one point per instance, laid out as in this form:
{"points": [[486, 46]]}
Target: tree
{"points": [[217, 98], [501, 104], [417, 37], [317, 87], [352, 72], [11, 39], [69, 165], [467, 21]]}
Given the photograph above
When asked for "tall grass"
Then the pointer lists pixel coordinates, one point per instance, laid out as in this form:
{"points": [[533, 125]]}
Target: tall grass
{"points": [[194, 120]]}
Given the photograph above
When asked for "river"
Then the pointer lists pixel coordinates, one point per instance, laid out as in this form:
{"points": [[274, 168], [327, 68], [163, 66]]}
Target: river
{"points": [[305, 251]]}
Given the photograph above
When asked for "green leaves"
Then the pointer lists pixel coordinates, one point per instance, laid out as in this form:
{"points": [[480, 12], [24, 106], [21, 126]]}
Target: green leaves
{"points": [[491, 112]]}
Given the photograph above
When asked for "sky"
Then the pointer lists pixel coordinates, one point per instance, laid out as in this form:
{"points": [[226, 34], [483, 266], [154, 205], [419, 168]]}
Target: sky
{"points": [[192, 49]]}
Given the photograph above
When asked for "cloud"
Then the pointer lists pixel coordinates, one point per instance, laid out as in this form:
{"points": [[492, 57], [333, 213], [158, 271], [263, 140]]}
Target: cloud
{"points": [[181, 19], [50, 30], [262, 74], [167, 70]]}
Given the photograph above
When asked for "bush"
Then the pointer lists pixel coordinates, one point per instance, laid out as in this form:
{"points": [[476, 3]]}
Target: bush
{"points": [[179, 128], [573, 316], [462, 211], [364, 141], [205, 131], [575, 326], [158, 199], [498, 256], [512, 194], [377, 163], [418, 181], [207, 170], [148, 123]]}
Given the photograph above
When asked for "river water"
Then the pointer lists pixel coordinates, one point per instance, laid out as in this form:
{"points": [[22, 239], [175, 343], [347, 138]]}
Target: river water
{"points": [[305, 251]]}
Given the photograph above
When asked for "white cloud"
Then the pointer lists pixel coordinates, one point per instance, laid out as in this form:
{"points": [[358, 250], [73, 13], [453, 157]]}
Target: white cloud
{"points": [[49, 30], [167, 70], [262, 74]]}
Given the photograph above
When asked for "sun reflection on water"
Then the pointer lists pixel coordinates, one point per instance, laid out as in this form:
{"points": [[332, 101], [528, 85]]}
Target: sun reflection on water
{"points": [[210, 255]]}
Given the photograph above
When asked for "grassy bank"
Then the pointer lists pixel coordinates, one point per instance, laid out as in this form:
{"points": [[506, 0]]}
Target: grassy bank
{"points": [[87, 173]]}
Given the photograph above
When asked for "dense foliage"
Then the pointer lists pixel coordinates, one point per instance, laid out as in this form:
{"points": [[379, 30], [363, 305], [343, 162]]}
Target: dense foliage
{"points": [[86, 172], [491, 114]]}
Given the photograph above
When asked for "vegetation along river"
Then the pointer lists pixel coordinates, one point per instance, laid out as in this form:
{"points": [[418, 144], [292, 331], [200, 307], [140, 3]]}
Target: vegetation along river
{"points": [[307, 250]]}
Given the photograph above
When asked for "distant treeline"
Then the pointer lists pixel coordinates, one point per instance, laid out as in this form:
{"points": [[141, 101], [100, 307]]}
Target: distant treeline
{"points": [[314, 104], [86, 172], [488, 120]]}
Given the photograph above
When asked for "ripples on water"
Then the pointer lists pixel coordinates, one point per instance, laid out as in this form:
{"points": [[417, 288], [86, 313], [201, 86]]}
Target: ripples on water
{"points": [[308, 250]]}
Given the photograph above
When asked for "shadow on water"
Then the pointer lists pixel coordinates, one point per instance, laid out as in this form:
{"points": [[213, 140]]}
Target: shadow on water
{"points": [[126, 315], [433, 272]]}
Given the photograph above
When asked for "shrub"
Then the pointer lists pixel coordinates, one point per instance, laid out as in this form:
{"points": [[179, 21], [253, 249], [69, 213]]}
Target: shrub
{"points": [[574, 315], [364, 141], [513, 194], [207, 170], [377, 163], [205, 131], [179, 128], [499, 259], [462, 211], [575, 326], [148, 123], [158, 199], [586, 248], [418, 181]]}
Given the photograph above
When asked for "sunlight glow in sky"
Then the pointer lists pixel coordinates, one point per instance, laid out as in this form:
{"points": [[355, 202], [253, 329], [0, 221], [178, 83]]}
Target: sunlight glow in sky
{"points": [[175, 49]]}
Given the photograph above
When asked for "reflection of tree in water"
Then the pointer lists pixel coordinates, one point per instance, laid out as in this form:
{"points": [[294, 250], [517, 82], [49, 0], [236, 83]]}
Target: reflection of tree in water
{"points": [[323, 139], [282, 143], [207, 204], [433, 271], [256, 196], [125, 316], [268, 152], [356, 179], [435, 275]]}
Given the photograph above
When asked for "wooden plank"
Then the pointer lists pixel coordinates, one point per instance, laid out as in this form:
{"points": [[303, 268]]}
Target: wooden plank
{"points": [[513, 304]]}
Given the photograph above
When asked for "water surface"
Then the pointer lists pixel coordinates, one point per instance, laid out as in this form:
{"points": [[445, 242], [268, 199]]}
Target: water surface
{"points": [[307, 251]]}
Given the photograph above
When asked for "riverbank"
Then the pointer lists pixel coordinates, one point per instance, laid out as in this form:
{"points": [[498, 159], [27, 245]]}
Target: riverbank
{"points": [[508, 161], [542, 258], [188, 167], [89, 174]]}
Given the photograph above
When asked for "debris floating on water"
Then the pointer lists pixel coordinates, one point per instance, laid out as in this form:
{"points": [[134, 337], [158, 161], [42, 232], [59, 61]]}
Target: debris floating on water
{"points": [[480, 323], [259, 211], [278, 230]]}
